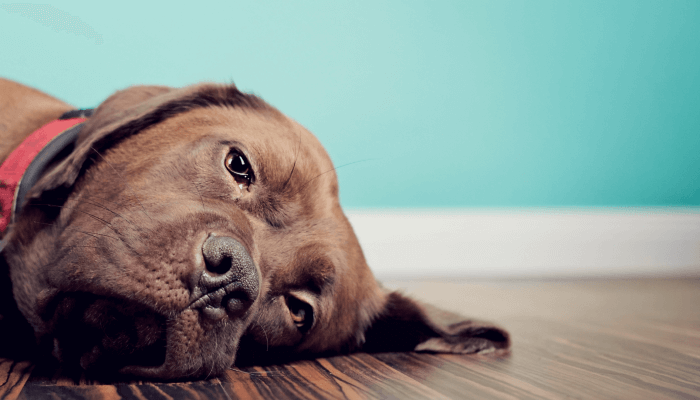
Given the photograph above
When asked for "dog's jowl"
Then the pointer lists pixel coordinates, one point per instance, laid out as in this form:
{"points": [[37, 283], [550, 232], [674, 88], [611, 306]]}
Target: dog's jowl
{"points": [[172, 233]]}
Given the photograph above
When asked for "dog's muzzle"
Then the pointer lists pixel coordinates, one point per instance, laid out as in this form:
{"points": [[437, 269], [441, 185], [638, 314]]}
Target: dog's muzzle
{"points": [[202, 339], [229, 283]]}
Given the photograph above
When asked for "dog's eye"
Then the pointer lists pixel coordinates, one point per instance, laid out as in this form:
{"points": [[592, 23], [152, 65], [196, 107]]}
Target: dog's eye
{"points": [[302, 313], [237, 164]]}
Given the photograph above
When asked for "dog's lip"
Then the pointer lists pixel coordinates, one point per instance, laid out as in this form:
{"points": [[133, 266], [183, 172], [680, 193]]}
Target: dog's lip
{"points": [[214, 297], [178, 363], [153, 372], [148, 372]]}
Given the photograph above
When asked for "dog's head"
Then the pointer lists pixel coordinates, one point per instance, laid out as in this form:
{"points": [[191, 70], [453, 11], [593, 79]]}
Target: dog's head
{"points": [[195, 227]]}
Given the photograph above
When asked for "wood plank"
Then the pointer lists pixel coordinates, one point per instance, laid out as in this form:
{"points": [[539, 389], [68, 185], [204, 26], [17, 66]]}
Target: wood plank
{"points": [[366, 373], [304, 379], [13, 376], [201, 390], [582, 339], [453, 380], [357, 376]]}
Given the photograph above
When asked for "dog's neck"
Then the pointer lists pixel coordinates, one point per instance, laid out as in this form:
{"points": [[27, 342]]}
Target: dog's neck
{"points": [[32, 158]]}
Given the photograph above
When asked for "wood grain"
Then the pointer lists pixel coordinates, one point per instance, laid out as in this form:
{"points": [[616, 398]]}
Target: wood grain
{"points": [[624, 339]]}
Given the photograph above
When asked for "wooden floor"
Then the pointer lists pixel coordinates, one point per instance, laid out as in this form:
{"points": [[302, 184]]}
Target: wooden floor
{"points": [[595, 339]]}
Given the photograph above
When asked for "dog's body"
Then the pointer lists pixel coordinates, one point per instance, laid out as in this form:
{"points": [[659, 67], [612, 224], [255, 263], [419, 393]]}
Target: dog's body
{"points": [[191, 228]]}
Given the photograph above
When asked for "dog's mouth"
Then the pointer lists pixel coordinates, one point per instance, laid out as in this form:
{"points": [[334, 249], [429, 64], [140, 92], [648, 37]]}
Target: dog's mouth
{"points": [[201, 340], [101, 334], [150, 356], [230, 299], [107, 337], [154, 336], [111, 354], [192, 350]]}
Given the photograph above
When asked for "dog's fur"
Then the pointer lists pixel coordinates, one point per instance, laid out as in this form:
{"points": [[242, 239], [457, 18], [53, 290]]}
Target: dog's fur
{"points": [[106, 255]]}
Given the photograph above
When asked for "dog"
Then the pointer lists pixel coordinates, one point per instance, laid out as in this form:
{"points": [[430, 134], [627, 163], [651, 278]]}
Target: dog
{"points": [[183, 231]]}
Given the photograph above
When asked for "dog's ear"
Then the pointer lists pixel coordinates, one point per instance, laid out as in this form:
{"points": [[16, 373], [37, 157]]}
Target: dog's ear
{"points": [[407, 325], [101, 130], [123, 114]]}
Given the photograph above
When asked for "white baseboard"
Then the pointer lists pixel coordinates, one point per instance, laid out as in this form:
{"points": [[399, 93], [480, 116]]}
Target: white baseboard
{"points": [[538, 243]]}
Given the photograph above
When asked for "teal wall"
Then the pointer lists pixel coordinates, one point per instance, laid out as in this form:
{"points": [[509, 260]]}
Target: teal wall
{"points": [[446, 104]]}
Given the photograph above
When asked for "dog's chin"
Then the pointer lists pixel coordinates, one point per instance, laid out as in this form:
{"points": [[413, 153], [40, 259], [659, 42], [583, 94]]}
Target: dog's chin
{"points": [[105, 337], [194, 348]]}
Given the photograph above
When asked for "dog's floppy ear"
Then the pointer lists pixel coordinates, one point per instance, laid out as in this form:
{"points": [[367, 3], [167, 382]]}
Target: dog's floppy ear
{"points": [[121, 115], [122, 108], [407, 325], [126, 113]]}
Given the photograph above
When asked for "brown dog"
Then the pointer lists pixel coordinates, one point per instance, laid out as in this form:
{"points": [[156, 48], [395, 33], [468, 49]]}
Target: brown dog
{"points": [[191, 228]]}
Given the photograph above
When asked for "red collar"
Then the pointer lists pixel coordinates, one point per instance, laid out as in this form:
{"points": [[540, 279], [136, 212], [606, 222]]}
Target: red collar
{"points": [[15, 167]]}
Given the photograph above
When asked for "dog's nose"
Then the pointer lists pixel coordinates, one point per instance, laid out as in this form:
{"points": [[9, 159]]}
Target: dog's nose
{"points": [[229, 283]]}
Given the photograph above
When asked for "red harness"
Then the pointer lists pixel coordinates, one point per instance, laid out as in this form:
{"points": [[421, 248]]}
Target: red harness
{"points": [[14, 168]]}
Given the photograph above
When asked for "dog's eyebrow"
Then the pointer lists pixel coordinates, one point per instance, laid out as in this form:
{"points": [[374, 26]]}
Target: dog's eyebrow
{"points": [[313, 271], [314, 282]]}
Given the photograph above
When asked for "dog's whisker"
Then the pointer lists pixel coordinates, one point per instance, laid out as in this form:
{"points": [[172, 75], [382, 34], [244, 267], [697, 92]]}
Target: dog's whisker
{"points": [[216, 347], [79, 210], [90, 195], [94, 247], [113, 212], [194, 183], [107, 224], [93, 234], [296, 157], [257, 322], [200, 195], [124, 180], [330, 170]]}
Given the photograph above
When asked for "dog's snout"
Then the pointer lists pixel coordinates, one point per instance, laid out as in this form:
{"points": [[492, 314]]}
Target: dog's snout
{"points": [[225, 256], [229, 282], [219, 252]]}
